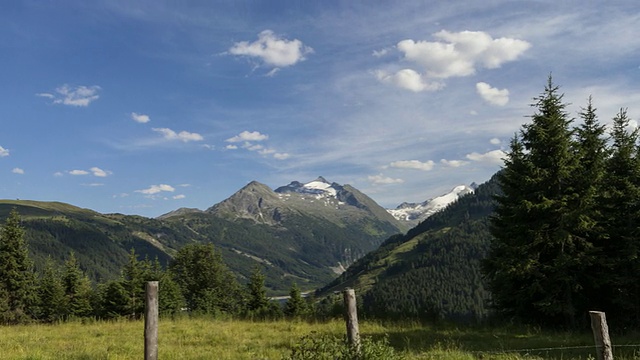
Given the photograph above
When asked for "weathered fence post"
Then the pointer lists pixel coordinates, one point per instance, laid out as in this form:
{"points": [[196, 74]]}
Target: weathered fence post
{"points": [[351, 317], [601, 335], [151, 322]]}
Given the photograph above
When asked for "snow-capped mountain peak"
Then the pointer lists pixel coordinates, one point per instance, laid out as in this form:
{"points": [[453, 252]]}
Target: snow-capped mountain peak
{"points": [[319, 186], [416, 212]]}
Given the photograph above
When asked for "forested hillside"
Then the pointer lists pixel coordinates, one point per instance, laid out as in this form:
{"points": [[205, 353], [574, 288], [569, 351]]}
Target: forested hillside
{"points": [[432, 272]]}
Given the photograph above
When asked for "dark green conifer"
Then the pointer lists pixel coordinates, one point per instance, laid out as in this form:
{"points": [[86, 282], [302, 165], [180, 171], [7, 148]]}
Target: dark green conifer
{"points": [[17, 278], [537, 256]]}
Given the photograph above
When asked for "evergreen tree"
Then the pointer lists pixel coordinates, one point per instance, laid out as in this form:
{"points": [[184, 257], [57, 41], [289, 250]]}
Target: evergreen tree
{"points": [[296, 306], [17, 278], [257, 294], [113, 300], [206, 283], [170, 299], [133, 281], [622, 216], [535, 264], [77, 287], [590, 179], [51, 296]]}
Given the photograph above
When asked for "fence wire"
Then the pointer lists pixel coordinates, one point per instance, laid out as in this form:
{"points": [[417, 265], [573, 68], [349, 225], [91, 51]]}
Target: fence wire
{"points": [[594, 347]]}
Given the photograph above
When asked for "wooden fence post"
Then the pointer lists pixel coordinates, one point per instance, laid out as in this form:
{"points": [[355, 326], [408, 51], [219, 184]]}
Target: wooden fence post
{"points": [[351, 318], [151, 322], [601, 335]]}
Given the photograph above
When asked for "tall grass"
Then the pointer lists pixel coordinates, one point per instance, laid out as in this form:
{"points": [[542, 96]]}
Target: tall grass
{"points": [[205, 338]]}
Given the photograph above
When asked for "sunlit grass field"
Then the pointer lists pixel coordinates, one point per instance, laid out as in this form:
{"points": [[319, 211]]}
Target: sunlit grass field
{"points": [[202, 338]]}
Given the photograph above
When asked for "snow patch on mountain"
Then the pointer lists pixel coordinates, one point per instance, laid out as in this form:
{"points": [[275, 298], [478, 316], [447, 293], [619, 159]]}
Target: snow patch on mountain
{"points": [[416, 212]]}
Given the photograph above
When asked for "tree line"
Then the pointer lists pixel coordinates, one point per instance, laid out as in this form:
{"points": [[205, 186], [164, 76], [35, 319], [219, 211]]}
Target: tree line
{"points": [[565, 228], [196, 281]]}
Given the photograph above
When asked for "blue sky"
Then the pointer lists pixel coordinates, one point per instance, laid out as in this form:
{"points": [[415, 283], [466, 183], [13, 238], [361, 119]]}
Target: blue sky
{"points": [[143, 107]]}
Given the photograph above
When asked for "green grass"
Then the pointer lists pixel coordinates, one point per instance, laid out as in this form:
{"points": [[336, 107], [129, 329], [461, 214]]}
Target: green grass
{"points": [[202, 338]]}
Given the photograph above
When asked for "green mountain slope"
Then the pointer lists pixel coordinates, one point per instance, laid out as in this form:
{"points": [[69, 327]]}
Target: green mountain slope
{"points": [[431, 272], [292, 238]]}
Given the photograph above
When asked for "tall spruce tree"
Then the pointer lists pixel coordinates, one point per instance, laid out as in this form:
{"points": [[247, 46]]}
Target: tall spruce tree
{"points": [[621, 211], [536, 257], [77, 288], [51, 297], [590, 179], [17, 277], [206, 283]]}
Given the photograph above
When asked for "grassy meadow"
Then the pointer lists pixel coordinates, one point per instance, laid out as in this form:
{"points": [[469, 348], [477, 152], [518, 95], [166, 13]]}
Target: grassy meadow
{"points": [[201, 338]]}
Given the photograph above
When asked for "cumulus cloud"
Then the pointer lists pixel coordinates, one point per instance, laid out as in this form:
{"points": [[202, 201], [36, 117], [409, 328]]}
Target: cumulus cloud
{"points": [[495, 141], [178, 197], [248, 136], [413, 164], [281, 156], [453, 54], [17, 171], [78, 172], [231, 147], [4, 152], [141, 118], [95, 171], [183, 136], [80, 96], [492, 157], [492, 95], [453, 163], [272, 50], [408, 79], [154, 189], [99, 172], [383, 180]]}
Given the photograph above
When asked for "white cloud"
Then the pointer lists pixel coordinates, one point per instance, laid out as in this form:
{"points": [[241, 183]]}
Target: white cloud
{"points": [[178, 197], [413, 164], [281, 156], [231, 147], [99, 172], [492, 95], [381, 52], [408, 79], [78, 172], [141, 118], [252, 147], [453, 163], [458, 54], [80, 96], [4, 152], [17, 171], [95, 171], [383, 180], [273, 50], [492, 157], [454, 54], [154, 189], [266, 151], [248, 136], [183, 136], [495, 141]]}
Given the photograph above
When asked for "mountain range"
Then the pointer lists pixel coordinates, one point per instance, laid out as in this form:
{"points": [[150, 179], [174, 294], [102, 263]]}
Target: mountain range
{"points": [[306, 233]]}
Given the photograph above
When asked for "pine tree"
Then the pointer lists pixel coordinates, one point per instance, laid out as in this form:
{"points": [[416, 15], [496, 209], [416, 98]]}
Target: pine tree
{"points": [[257, 294], [622, 216], [17, 278], [206, 283], [537, 256], [295, 307], [133, 281], [590, 179], [51, 296], [77, 288]]}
